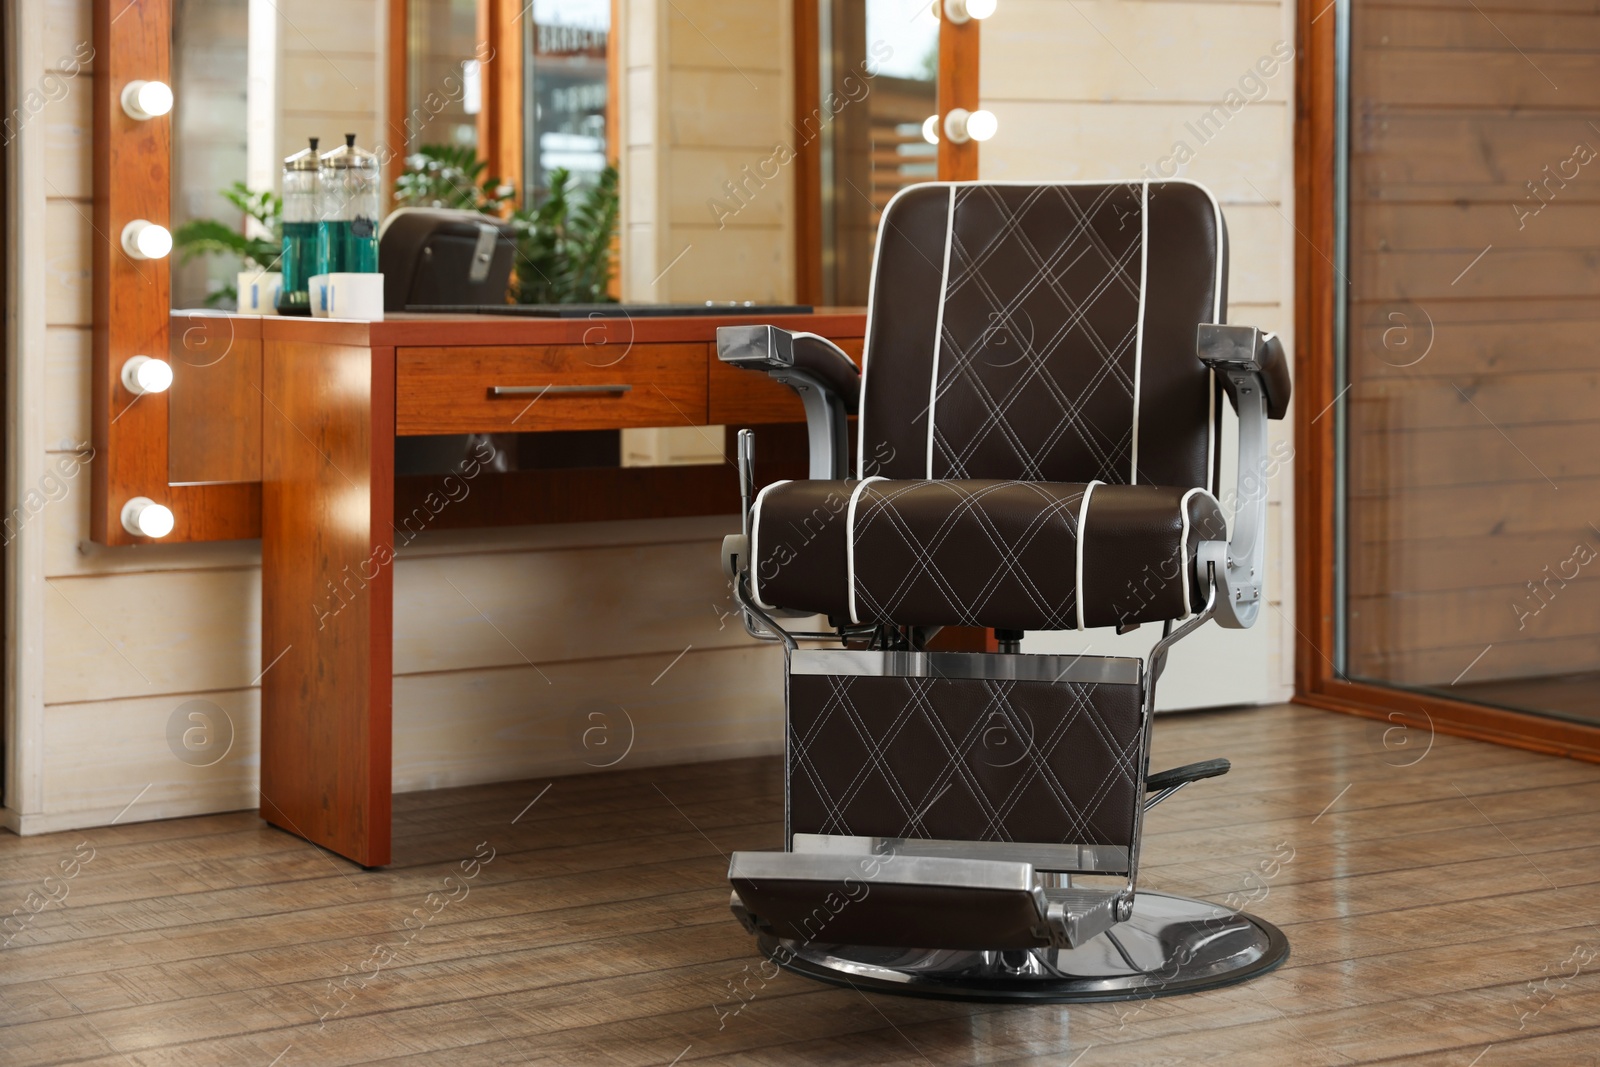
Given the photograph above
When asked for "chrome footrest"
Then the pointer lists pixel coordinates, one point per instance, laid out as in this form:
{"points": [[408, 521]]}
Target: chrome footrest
{"points": [[912, 901], [1081, 915]]}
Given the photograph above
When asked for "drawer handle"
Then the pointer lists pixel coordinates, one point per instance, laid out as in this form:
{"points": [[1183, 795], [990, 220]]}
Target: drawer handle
{"points": [[569, 390]]}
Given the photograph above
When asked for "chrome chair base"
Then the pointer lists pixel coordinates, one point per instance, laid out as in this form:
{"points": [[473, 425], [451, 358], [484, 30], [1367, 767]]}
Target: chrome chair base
{"points": [[1171, 945]]}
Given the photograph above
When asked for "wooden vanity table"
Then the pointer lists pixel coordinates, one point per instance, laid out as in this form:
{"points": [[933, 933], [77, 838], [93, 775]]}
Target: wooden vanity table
{"points": [[285, 429]]}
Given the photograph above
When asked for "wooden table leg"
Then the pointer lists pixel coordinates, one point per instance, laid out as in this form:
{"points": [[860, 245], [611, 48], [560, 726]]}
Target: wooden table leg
{"points": [[327, 594]]}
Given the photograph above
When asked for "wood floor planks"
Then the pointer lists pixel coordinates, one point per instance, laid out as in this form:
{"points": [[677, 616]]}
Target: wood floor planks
{"points": [[1423, 897]]}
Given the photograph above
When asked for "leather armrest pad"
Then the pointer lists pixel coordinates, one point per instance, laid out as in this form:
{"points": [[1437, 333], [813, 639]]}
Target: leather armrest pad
{"points": [[1275, 379], [1275, 369], [825, 361]]}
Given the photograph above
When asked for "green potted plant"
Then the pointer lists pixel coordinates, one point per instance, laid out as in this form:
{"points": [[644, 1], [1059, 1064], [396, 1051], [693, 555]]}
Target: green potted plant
{"points": [[208, 237], [564, 246]]}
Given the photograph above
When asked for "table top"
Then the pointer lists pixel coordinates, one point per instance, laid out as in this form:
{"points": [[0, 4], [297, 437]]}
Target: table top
{"points": [[404, 329]]}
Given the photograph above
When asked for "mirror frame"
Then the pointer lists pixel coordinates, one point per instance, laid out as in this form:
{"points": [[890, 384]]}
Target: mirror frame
{"points": [[132, 164]]}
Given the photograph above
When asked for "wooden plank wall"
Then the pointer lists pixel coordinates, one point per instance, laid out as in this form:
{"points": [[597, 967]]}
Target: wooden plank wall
{"points": [[1109, 89], [132, 634], [1475, 400], [706, 93], [331, 73]]}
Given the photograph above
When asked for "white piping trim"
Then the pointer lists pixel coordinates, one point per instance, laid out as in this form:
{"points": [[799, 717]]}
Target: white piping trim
{"points": [[1082, 536], [850, 542], [1138, 327], [1219, 316], [1183, 545], [1211, 433], [866, 343], [938, 322], [755, 554]]}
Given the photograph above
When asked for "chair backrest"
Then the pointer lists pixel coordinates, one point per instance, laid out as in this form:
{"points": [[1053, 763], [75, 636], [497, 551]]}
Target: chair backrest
{"points": [[1044, 332]]}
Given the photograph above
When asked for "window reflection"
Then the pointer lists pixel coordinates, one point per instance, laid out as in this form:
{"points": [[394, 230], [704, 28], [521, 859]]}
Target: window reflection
{"points": [[879, 83], [565, 92]]}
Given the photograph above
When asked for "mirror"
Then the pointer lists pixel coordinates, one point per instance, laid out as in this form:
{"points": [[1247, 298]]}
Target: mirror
{"points": [[758, 143], [882, 68]]}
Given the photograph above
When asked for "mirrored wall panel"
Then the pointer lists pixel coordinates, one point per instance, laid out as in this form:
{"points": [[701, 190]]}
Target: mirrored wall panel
{"points": [[1469, 476]]}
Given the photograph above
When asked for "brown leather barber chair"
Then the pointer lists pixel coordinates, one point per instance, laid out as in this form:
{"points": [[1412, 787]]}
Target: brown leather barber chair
{"points": [[1039, 435]]}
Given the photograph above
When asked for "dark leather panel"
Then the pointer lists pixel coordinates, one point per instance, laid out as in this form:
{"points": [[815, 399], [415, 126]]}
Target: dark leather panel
{"points": [[899, 350], [982, 553], [1275, 368], [1041, 311], [1037, 348], [1275, 379], [828, 364], [1176, 404], [1134, 557], [968, 553], [965, 759], [862, 911], [799, 551]]}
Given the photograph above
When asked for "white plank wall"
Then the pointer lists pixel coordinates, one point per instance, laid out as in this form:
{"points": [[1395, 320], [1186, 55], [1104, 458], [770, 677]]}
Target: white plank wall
{"points": [[631, 660], [1088, 89], [707, 92]]}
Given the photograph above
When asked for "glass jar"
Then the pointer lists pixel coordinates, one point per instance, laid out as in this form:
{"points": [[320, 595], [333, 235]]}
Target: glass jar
{"points": [[300, 258], [347, 231]]}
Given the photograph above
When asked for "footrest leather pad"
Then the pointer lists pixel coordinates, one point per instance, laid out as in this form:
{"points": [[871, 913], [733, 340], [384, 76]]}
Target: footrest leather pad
{"points": [[910, 901]]}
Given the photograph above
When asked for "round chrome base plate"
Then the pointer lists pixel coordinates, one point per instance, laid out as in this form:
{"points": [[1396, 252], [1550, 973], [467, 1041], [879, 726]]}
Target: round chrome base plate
{"points": [[1171, 945]]}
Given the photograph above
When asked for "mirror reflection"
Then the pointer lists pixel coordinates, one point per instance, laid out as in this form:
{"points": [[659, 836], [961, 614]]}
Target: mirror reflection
{"points": [[690, 156]]}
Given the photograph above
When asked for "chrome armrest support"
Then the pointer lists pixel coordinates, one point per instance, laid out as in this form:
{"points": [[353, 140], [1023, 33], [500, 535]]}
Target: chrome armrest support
{"points": [[1154, 665], [1249, 364], [826, 380]]}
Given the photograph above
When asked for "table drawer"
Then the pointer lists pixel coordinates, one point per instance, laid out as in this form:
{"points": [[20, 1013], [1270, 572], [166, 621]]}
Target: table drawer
{"points": [[548, 387], [744, 397]]}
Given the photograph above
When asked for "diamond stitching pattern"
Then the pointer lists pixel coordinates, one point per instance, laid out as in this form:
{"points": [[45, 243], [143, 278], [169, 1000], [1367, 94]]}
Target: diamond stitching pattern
{"points": [[915, 757], [919, 567], [1057, 403]]}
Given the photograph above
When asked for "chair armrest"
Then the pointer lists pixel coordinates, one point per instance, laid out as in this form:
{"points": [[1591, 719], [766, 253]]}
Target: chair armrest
{"points": [[1256, 376], [771, 349], [1244, 348], [827, 380]]}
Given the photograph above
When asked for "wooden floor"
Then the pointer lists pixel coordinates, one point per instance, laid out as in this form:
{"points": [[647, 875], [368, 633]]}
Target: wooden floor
{"points": [[1441, 900]]}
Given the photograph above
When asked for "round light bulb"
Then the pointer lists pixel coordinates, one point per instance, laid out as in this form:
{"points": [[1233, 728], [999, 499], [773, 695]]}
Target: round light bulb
{"points": [[981, 125], [143, 239], [142, 374], [960, 11], [146, 99], [930, 129], [143, 517]]}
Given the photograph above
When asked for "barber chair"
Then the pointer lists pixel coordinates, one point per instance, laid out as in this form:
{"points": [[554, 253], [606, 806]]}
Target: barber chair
{"points": [[1038, 448]]}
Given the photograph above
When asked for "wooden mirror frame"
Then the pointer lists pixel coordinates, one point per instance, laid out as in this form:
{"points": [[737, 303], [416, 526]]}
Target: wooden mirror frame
{"points": [[132, 298]]}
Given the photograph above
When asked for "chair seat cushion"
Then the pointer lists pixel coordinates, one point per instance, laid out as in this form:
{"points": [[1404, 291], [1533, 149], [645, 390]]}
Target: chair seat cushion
{"points": [[972, 552]]}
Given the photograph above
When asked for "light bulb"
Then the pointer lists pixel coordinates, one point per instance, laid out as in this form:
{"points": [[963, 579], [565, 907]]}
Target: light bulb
{"points": [[959, 11], [961, 125], [930, 129], [143, 517], [146, 100], [143, 239], [141, 375]]}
